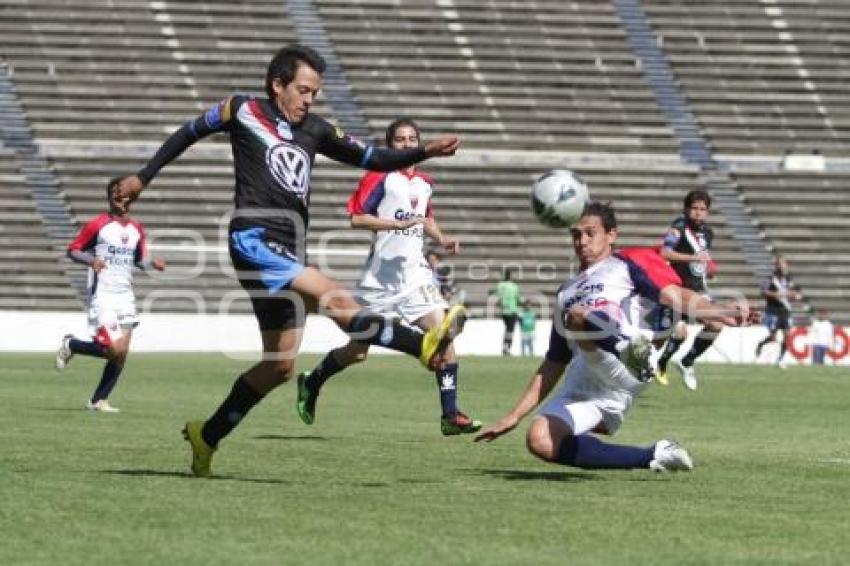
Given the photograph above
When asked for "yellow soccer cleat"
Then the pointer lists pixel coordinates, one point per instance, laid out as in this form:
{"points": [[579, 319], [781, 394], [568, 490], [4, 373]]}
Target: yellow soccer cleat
{"points": [[661, 377], [436, 340], [202, 452]]}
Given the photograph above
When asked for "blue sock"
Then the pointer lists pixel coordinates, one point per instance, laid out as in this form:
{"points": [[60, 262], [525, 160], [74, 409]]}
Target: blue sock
{"points": [[447, 383], [323, 372], [108, 379], [588, 452], [87, 348]]}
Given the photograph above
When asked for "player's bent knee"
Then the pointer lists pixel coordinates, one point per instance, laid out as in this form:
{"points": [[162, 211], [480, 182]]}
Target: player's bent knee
{"points": [[539, 441]]}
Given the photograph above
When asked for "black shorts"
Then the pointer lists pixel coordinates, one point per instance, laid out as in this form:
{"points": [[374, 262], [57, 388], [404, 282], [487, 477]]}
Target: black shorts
{"points": [[265, 269], [510, 321], [777, 321]]}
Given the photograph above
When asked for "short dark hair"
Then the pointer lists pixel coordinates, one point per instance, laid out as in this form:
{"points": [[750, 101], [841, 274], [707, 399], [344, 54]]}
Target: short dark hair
{"points": [[285, 62], [605, 212], [112, 183], [697, 195], [396, 124]]}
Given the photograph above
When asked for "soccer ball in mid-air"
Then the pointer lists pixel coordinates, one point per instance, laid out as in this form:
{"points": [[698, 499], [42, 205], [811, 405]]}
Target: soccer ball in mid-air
{"points": [[558, 198]]}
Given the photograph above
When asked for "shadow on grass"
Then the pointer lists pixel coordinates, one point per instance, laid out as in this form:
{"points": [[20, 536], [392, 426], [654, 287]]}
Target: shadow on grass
{"points": [[288, 437], [533, 475], [187, 475]]}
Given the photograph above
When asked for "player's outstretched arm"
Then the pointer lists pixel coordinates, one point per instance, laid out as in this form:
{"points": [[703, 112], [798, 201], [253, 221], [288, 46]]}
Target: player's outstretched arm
{"points": [[539, 386], [687, 301], [444, 146]]}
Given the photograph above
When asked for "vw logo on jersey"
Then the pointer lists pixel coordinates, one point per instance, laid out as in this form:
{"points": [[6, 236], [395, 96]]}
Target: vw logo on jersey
{"points": [[290, 167], [698, 268]]}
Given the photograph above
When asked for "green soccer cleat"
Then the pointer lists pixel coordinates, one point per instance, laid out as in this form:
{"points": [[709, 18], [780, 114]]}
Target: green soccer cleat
{"points": [[305, 404], [661, 377], [202, 452], [459, 424], [436, 340]]}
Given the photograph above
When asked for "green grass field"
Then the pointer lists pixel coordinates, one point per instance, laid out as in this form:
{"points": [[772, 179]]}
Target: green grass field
{"points": [[374, 482]]}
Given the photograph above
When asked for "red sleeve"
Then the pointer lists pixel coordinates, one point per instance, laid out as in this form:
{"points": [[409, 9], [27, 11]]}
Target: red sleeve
{"points": [[369, 193], [87, 238], [649, 271]]}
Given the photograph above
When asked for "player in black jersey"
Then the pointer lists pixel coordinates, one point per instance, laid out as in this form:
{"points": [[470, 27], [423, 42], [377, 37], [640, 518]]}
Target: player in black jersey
{"points": [[274, 142], [686, 246], [778, 291]]}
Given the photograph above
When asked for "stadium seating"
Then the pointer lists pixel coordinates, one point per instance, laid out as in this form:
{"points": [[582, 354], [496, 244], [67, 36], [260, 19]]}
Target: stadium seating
{"points": [[805, 215], [185, 211], [762, 78], [503, 74], [32, 273], [117, 75], [127, 70]]}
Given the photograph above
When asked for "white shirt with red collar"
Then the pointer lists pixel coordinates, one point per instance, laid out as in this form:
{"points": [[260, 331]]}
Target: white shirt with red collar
{"points": [[396, 261], [120, 242]]}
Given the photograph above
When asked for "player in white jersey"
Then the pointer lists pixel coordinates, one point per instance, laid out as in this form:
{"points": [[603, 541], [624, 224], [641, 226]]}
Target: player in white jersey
{"points": [[397, 280], [604, 357], [110, 245]]}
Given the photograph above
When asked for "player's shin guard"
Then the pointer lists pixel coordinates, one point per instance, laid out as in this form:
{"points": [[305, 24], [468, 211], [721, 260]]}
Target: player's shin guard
{"points": [[670, 348], [241, 399], [702, 342], [111, 373], [326, 369], [372, 328], [447, 383], [87, 348], [588, 452]]}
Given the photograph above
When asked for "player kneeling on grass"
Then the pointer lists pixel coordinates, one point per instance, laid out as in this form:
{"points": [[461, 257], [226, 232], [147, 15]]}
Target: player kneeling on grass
{"points": [[602, 354], [110, 245], [397, 280]]}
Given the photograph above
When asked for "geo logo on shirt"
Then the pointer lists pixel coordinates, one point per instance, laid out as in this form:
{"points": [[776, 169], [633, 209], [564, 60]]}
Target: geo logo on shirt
{"points": [[290, 167]]}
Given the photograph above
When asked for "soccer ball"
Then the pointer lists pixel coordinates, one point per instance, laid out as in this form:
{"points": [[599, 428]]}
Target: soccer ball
{"points": [[558, 198]]}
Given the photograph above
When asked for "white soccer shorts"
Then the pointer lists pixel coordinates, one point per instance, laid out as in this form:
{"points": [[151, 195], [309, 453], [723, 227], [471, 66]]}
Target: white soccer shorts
{"points": [[109, 316], [597, 389], [410, 304]]}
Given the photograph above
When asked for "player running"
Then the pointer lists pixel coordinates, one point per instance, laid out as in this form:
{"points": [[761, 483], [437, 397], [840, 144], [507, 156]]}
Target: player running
{"points": [[687, 246], [110, 245], [596, 344], [778, 291], [397, 280], [274, 141]]}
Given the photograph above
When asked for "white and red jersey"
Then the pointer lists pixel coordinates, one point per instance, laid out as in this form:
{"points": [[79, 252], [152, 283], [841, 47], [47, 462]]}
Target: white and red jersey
{"points": [[614, 286], [120, 242], [396, 260]]}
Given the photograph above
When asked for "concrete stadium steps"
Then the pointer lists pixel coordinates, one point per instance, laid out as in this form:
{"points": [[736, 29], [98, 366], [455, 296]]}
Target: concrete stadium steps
{"points": [[486, 207], [807, 217], [761, 78], [31, 267], [98, 69], [500, 74]]}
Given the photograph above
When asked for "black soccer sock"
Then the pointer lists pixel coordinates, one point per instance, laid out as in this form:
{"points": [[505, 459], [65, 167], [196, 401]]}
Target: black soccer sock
{"points": [[108, 379], [242, 399], [366, 326], [588, 452], [447, 383], [702, 342], [670, 348], [327, 368], [86, 348]]}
